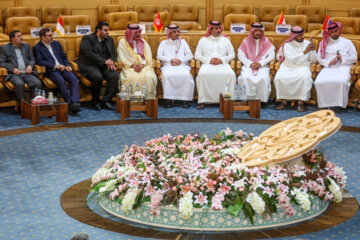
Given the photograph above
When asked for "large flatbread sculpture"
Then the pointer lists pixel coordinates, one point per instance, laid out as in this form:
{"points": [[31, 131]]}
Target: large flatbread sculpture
{"points": [[290, 139]]}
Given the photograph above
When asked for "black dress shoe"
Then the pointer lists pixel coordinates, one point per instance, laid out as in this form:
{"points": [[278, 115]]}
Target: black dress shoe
{"points": [[167, 104], [107, 105], [185, 104], [74, 113], [97, 106]]}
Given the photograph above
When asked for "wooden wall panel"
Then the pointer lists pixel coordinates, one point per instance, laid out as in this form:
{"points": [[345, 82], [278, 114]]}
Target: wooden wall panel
{"points": [[337, 8], [5, 4]]}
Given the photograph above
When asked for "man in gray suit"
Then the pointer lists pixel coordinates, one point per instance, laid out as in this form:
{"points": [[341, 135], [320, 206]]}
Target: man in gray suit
{"points": [[19, 61]]}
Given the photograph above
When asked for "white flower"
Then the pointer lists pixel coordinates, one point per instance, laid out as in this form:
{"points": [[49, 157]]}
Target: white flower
{"points": [[302, 198], [239, 166], [186, 206], [335, 189], [228, 132], [256, 202], [129, 199]]}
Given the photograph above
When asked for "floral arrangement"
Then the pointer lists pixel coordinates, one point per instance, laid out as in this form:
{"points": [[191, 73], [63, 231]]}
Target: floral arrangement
{"points": [[196, 171]]}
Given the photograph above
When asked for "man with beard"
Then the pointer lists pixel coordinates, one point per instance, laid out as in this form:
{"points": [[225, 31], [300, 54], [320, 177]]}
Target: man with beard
{"points": [[215, 52], [293, 79], [336, 55], [134, 54], [255, 53], [175, 54], [97, 62]]}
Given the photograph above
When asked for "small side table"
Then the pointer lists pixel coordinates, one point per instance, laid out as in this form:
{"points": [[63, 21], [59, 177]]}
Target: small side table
{"points": [[228, 106], [35, 111], [149, 106]]}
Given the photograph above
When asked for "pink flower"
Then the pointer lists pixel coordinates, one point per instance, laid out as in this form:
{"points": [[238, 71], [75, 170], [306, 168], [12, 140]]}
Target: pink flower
{"points": [[201, 199], [269, 191], [185, 189], [216, 202], [224, 189], [174, 188]]}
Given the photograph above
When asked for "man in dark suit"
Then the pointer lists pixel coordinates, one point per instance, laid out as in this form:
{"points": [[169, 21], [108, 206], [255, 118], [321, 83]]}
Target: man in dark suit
{"points": [[96, 62], [50, 54], [19, 61]]}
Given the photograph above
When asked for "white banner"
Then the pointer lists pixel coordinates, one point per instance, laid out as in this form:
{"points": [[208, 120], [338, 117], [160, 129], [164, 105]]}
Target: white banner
{"points": [[83, 29], [283, 29], [238, 28], [35, 31]]}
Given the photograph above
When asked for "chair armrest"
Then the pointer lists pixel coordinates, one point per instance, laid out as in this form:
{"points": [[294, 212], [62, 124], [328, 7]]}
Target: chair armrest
{"points": [[158, 67], [74, 66], [232, 64], [272, 64], [318, 68], [40, 69], [353, 67], [277, 66], [238, 67], [3, 71], [313, 67], [197, 66], [357, 69]]}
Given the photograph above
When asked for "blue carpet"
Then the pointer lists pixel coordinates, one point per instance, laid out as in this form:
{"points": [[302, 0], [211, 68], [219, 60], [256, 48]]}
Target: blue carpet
{"points": [[10, 120], [37, 168]]}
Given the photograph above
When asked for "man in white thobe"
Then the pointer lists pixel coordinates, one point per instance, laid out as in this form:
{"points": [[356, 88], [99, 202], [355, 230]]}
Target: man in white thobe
{"points": [[215, 52], [175, 54], [255, 53], [336, 55], [293, 79]]}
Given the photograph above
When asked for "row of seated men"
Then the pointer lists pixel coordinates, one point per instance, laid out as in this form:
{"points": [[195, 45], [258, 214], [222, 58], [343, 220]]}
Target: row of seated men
{"points": [[96, 62]]}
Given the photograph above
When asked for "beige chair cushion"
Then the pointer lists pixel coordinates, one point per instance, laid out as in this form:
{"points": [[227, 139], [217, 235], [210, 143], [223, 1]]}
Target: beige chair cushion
{"points": [[184, 12], [294, 20], [248, 19], [314, 14], [73, 20], [20, 12], [120, 20], [104, 10], [23, 24], [350, 24], [146, 13], [238, 9], [51, 14]]}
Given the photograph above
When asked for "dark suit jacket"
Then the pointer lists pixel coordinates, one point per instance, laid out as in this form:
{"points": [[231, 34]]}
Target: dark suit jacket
{"points": [[90, 52], [44, 58], [8, 58]]}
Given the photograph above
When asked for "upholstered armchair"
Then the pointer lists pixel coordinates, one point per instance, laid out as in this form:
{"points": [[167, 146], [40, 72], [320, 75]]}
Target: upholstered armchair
{"points": [[315, 16], [20, 12], [104, 10], [73, 20], [248, 19], [294, 20], [185, 13], [50, 15], [268, 12], [238, 9], [24, 24], [120, 20]]}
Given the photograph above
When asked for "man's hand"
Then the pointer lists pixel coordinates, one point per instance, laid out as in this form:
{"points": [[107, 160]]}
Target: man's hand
{"points": [[137, 67], [255, 65], [110, 64], [60, 67], [16, 71], [215, 61], [175, 62], [310, 47], [68, 68], [28, 69], [338, 58]]}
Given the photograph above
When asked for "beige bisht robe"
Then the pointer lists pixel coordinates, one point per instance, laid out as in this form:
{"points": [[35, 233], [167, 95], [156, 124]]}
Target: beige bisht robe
{"points": [[127, 57]]}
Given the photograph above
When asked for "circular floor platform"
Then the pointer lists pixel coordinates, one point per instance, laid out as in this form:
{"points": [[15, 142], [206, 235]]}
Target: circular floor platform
{"points": [[74, 202]]}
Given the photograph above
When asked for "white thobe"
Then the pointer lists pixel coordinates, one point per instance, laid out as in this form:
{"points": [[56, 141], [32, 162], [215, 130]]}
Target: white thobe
{"points": [[177, 81], [212, 79], [261, 80], [333, 82], [293, 79]]}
